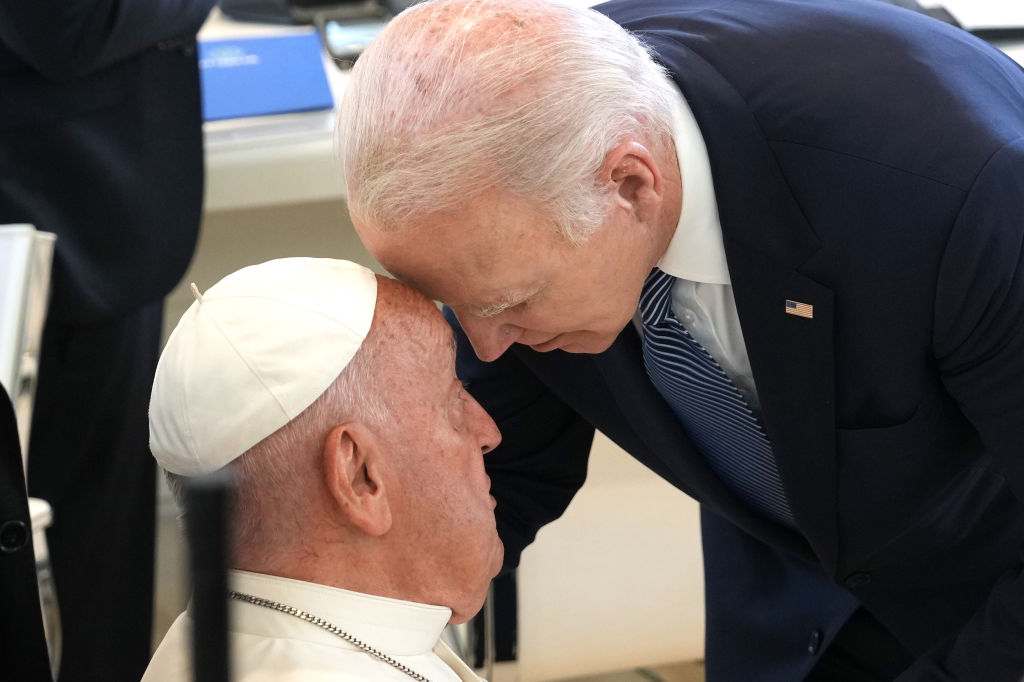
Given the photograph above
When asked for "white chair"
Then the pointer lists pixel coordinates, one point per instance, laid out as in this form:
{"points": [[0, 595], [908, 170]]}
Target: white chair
{"points": [[617, 582], [25, 258]]}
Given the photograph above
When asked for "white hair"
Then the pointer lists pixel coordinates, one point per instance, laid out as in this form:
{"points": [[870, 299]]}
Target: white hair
{"points": [[279, 461], [283, 460], [274, 477], [437, 111]]}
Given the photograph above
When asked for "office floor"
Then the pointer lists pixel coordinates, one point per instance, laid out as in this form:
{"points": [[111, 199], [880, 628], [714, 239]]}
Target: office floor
{"points": [[680, 672]]}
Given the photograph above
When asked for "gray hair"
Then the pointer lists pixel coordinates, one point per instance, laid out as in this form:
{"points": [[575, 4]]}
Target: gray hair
{"points": [[434, 113]]}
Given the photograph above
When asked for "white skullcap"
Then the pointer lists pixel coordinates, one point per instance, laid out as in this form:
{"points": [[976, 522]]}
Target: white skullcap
{"points": [[251, 354]]}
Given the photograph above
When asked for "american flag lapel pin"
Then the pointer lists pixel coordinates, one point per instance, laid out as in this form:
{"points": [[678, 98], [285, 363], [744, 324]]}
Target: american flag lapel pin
{"points": [[799, 309]]}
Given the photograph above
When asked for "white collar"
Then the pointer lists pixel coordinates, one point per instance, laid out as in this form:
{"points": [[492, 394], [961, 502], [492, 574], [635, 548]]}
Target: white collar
{"points": [[396, 627], [696, 251]]}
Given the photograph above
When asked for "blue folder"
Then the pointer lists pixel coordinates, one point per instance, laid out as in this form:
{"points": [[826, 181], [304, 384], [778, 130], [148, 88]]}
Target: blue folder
{"points": [[262, 76]]}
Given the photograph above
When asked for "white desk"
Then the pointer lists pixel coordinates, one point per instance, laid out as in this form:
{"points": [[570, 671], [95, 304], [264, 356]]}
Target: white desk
{"points": [[25, 259], [290, 159], [273, 160], [273, 185]]}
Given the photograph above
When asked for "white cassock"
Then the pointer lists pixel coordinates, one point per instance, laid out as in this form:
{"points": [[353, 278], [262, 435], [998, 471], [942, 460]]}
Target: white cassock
{"points": [[267, 645]]}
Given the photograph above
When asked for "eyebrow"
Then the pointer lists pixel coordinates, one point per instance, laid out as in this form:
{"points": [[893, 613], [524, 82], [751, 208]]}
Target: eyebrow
{"points": [[494, 309], [509, 300]]}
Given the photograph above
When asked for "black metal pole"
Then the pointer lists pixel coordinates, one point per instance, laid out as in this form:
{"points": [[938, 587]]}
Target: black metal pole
{"points": [[206, 515]]}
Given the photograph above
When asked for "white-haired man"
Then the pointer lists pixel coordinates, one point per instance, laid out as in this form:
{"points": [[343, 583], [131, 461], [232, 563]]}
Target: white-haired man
{"points": [[361, 497], [811, 213]]}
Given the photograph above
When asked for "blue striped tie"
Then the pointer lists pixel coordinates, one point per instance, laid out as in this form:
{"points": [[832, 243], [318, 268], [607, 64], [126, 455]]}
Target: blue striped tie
{"points": [[707, 403]]}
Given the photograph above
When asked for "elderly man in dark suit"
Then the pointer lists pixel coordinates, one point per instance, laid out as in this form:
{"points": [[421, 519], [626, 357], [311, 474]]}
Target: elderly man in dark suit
{"points": [[772, 248], [101, 143]]}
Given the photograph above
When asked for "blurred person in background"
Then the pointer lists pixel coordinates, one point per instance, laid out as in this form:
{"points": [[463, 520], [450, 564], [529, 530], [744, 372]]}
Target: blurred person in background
{"points": [[101, 144]]}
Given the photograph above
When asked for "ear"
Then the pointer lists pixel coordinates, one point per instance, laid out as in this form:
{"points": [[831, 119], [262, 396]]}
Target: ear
{"points": [[633, 171], [353, 473]]}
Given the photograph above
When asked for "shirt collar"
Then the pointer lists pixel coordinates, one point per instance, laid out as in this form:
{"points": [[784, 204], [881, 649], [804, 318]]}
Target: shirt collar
{"points": [[396, 627], [696, 251]]}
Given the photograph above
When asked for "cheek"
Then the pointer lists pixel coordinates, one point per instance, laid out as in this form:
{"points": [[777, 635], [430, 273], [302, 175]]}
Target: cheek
{"points": [[550, 316], [598, 308], [456, 417]]}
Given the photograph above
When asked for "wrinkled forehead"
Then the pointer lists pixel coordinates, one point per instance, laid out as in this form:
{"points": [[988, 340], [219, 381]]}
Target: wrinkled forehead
{"points": [[411, 326], [478, 255]]}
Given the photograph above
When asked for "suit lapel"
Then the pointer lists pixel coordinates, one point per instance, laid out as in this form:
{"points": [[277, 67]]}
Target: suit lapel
{"points": [[612, 391], [654, 422], [792, 361], [767, 239]]}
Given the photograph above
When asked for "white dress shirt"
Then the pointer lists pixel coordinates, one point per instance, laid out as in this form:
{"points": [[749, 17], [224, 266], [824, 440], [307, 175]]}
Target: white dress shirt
{"points": [[270, 646], [702, 297]]}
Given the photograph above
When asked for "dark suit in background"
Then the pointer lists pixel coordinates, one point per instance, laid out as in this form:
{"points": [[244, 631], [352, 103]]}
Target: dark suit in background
{"points": [[23, 654], [868, 161], [100, 143]]}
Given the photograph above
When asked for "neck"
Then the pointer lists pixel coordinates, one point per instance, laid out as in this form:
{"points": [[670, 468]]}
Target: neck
{"points": [[355, 566], [672, 200]]}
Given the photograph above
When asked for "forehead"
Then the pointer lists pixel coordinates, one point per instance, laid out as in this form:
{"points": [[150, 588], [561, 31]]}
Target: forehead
{"points": [[424, 327], [494, 246], [418, 363]]}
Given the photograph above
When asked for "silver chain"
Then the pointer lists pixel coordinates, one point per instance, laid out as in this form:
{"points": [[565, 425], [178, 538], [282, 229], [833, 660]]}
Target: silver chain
{"points": [[324, 625]]}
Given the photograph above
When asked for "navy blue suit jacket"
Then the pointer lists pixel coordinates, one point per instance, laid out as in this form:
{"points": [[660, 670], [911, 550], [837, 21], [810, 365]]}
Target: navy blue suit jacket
{"points": [[868, 161], [101, 143]]}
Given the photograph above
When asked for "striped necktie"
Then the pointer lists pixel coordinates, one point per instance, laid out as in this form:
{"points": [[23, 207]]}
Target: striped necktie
{"points": [[716, 417]]}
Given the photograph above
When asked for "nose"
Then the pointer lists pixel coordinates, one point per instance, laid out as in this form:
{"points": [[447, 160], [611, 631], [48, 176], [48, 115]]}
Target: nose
{"points": [[487, 431], [489, 336]]}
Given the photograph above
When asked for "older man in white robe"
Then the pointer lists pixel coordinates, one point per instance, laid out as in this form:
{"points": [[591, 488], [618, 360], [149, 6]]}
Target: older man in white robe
{"points": [[361, 500]]}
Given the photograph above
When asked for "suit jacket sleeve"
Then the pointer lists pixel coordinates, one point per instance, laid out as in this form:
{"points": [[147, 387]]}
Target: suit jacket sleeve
{"points": [[542, 459], [979, 345], [66, 39]]}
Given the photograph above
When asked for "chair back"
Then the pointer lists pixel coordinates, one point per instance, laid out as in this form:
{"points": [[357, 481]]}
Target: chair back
{"points": [[26, 255]]}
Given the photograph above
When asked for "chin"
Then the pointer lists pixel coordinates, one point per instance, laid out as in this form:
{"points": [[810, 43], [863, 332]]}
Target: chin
{"points": [[590, 346], [474, 601], [459, 618], [464, 612]]}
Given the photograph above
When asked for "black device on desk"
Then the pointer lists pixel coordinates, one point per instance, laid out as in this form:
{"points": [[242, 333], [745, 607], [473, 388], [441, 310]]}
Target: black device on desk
{"points": [[345, 39], [345, 28], [310, 11], [347, 31]]}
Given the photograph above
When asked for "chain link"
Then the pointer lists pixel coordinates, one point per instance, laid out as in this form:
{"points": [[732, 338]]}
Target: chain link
{"points": [[324, 625]]}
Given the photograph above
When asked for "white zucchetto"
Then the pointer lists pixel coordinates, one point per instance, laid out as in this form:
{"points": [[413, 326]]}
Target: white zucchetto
{"points": [[253, 352]]}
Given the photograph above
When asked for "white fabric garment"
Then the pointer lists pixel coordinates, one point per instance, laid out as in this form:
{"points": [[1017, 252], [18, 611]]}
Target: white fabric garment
{"points": [[702, 297], [269, 646]]}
